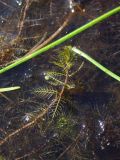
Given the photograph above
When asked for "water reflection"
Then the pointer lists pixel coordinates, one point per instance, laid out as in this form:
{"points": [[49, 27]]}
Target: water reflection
{"points": [[19, 2], [102, 125]]}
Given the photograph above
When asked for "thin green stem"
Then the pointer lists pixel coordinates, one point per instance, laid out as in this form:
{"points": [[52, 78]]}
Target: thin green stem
{"points": [[61, 40], [9, 89], [90, 59]]}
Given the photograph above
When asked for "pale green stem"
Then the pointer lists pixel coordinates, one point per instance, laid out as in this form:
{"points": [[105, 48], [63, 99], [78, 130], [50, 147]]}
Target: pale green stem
{"points": [[90, 59], [9, 89], [61, 40]]}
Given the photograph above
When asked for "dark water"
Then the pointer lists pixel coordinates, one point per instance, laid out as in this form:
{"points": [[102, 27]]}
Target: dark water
{"points": [[95, 112]]}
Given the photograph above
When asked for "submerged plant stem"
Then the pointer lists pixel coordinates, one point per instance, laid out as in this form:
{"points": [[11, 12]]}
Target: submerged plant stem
{"points": [[21, 23], [61, 93], [61, 40], [28, 125], [4, 96], [9, 89], [90, 59]]}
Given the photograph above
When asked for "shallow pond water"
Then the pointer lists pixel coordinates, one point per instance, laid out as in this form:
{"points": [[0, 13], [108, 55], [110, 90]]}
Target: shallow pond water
{"points": [[87, 126]]}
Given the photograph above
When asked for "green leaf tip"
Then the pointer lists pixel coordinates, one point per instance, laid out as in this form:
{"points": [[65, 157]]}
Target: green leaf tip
{"points": [[9, 89]]}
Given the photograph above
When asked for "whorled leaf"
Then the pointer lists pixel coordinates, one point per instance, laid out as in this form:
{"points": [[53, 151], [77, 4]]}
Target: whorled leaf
{"points": [[45, 92], [65, 58]]}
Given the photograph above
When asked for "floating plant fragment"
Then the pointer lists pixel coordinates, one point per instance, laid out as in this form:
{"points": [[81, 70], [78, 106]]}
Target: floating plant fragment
{"points": [[9, 89]]}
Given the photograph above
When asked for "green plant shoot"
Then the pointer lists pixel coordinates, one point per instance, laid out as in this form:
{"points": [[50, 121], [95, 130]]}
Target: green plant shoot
{"points": [[90, 59], [61, 40], [9, 89]]}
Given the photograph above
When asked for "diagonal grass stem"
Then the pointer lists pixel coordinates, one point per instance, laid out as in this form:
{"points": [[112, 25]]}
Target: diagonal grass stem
{"points": [[61, 40], [97, 64]]}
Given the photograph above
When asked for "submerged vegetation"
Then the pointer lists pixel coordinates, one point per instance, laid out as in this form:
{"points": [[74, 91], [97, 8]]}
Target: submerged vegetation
{"points": [[65, 109], [59, 81], [53, 113], [38, 50], [60, 124]]}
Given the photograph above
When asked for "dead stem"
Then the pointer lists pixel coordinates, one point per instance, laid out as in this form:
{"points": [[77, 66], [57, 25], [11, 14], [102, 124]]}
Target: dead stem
{"points": [[4, 132], [22, 17], [4, 96], [28, 125], [55, 34], [82, 12], [6, 5], [69, 147], [59, 30], [42, 43], [28, 154]]}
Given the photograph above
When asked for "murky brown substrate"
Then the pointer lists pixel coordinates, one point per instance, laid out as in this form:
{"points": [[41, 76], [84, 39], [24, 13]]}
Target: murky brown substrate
{"points": [[95, 110]]}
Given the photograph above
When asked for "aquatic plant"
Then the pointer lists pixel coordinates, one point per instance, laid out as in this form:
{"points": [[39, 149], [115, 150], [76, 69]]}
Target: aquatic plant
{"points": [[64, 126], [61, 40], [65, 63], [48, 124], [90, 59], [59, 80], [9, 89], [50, 116]]}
